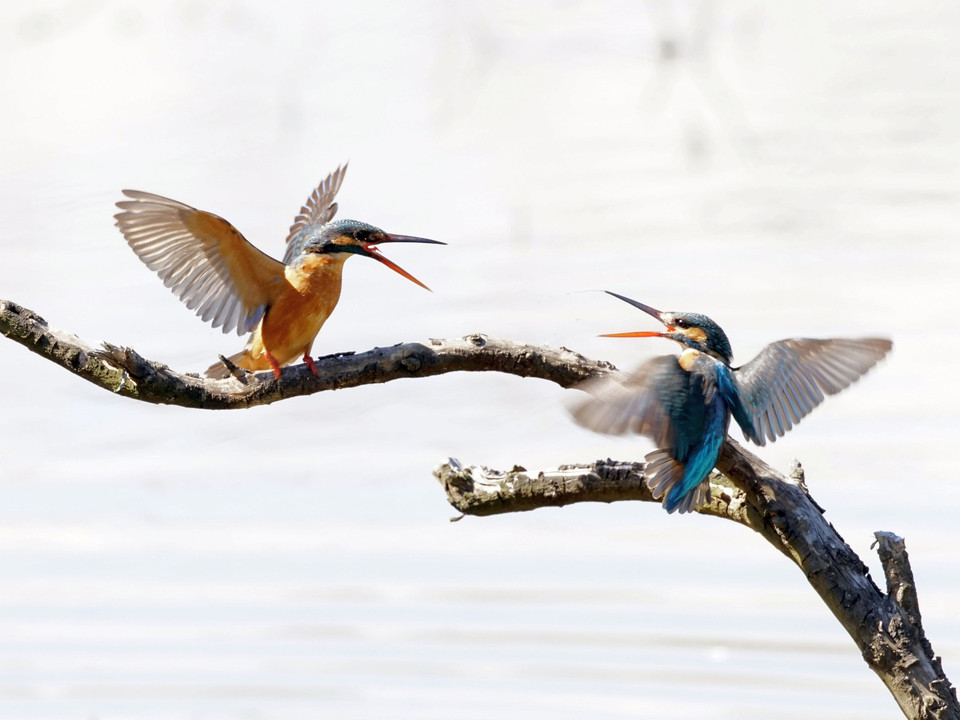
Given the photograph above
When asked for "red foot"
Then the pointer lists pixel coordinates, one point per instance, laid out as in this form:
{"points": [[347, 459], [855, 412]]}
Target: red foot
{"points": [[274, 365], [313, 368]]}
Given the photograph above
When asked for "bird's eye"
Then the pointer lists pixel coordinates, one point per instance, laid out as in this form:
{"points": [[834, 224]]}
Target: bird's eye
{"points": [[680, 323]]}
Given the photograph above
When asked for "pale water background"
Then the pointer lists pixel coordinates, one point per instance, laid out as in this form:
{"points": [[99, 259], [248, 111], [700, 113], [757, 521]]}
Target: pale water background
{"points": [[787, 168]]}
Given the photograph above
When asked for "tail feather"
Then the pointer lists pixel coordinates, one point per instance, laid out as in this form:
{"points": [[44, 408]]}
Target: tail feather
{"points": [[219, 370], [665, 477]]}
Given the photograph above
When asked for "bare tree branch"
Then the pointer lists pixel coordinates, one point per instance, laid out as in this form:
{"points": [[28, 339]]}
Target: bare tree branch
{"points": [[885, 627], [125, 372]]}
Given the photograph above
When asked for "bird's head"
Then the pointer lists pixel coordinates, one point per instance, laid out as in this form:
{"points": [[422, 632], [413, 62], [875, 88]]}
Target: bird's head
{"points": [[358, 238], [689, 329]]}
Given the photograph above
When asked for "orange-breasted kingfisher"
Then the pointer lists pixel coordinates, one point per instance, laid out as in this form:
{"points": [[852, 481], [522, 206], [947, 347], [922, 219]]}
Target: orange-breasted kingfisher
{"points": [[231, 284], [684, 403]]}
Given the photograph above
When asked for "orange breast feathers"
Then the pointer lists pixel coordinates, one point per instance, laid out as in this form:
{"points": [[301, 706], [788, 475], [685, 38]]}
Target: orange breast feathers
{"points": [[300, 307]]}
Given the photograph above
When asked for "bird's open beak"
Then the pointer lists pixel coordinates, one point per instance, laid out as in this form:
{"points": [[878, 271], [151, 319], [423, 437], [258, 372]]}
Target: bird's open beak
{"points": [[371, 250], [633, 334], [648, 310]]}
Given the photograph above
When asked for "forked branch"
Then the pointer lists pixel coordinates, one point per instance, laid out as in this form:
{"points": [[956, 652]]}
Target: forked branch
{"points": [[885, 626]]}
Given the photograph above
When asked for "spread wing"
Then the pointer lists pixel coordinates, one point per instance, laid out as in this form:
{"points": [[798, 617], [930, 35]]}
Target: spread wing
{"points": [[318, 210], [201, 257], [791, 377], [659, 400]]}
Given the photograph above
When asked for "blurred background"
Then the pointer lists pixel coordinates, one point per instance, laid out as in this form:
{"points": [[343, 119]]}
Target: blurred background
{"points": [[790, 169]]}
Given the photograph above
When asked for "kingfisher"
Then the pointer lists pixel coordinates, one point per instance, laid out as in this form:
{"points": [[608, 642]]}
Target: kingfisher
{"points": [[684, 403], [230, 283]]}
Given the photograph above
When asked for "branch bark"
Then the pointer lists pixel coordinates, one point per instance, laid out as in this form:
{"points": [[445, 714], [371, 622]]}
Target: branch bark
{"points": [[125, 372], [885, 626]]}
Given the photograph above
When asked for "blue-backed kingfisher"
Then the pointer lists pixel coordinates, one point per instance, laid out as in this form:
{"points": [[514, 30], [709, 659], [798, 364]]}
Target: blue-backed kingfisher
{"points": [[212, 268], [684, 403]]}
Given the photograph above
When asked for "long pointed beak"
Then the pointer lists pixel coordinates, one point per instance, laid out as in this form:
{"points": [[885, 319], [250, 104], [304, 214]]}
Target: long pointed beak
{"points": [[648, 310], [371, 250], [633, 334], [389, 237], [637, 304]]}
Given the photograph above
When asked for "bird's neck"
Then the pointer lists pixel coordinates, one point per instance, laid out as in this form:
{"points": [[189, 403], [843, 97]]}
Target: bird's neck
{"points": [[314, 269], [688, 359]]}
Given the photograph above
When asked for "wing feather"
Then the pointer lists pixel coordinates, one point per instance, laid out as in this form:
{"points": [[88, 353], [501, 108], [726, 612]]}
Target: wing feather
{"points": [[794, 399], [789, 378], [318, 210], [646, 402], [202, 258]]}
